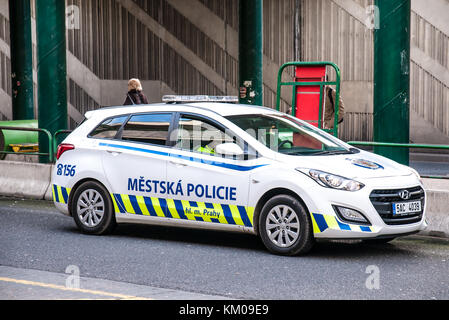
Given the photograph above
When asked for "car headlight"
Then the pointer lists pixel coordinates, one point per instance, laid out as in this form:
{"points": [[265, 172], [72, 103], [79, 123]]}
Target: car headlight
{"points": [[333, 181]]}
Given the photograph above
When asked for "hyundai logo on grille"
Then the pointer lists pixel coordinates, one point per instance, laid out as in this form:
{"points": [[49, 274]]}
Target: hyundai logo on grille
{"points": [[404, 194]]}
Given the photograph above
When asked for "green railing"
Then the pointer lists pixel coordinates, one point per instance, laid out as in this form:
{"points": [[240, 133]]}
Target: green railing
{"points": [[404, 145], [53, 143], [55, 137], [51, 149], [322, 84]]}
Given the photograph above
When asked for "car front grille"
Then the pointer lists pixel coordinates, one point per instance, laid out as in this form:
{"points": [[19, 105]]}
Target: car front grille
{"points": [[383, 200]]}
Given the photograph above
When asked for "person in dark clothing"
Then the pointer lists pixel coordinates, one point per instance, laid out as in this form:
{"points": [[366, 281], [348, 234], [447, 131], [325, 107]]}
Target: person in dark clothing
{"points": [[135, 94]]}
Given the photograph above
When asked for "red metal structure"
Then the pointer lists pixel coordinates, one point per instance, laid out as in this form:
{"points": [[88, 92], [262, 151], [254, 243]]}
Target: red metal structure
{"points": [[308, 91], [308, 96]]}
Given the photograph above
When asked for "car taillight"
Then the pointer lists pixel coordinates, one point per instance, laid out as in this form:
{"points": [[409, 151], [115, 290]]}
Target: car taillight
{"points": [[63, 147]]}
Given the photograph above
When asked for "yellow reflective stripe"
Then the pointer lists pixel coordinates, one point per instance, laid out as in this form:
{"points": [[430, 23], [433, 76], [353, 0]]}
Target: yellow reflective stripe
{"points": [[250, 214], [116, 209], [189, 211], [142, 206], [157, 207], [221, 218], [127, 203], [331, 221], [236, 215], [58, 193], [198, 211], [172, 208], [316, 229], [193, 209], [61, 198]]}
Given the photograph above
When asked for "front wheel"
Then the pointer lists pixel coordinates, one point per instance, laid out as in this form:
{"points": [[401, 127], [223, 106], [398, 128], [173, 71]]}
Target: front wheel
{"points": [[285, 226], [92, 209]]}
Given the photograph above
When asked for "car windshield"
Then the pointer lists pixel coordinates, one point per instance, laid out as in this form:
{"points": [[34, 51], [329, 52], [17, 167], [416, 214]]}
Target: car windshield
{"points": [[287, 135]]}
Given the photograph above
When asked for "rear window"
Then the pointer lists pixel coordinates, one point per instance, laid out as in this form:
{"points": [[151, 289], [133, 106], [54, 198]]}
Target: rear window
{"points": [[148, 128], [108, 128]]}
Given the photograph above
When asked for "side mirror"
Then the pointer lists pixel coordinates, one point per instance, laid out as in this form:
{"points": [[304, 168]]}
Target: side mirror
{"points": [[229, 149]]}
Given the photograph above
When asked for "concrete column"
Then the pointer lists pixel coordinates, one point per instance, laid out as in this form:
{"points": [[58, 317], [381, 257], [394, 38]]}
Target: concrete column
{"points": [[250, 52], [21, 60], [392, 78], [51, 68]]}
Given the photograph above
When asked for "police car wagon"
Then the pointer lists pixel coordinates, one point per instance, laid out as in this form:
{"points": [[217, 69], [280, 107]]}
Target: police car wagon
{"points": [[223, 166]]}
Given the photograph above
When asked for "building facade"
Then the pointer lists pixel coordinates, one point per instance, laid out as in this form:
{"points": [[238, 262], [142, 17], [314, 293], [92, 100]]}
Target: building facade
{"points": [[191, 47]]}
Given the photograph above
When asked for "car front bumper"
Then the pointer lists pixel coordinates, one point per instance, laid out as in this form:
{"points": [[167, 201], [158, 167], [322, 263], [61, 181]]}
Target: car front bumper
{"points": [[328, 224]]}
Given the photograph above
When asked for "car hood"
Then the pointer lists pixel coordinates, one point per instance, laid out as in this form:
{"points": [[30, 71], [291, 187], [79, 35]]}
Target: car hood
{"points": [[355, 166]]}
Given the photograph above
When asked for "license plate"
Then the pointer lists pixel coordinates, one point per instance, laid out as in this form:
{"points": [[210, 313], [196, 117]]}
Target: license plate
{"points": [[404, 208]]}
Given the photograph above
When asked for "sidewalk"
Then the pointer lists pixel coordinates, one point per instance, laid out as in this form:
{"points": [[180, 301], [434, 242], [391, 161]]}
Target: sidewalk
{"points": [[27, 284]]}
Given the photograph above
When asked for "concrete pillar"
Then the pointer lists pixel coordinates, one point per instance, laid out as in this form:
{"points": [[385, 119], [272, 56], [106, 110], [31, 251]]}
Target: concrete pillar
{"points": [[21, 60], [51, 68], [250, 52], [392, 78]]}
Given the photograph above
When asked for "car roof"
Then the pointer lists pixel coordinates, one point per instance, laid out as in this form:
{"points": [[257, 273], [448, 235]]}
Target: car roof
{"points": [[228, 109], [223, 109]]}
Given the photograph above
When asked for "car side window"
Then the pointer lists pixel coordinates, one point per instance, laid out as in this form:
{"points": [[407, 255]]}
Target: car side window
{"points": [[147, 128], [202, 136], [108, 128]]}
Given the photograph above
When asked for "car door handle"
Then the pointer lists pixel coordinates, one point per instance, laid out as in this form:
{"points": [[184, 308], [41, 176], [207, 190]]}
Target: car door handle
{"points": [[178, 164], [113, 152]]}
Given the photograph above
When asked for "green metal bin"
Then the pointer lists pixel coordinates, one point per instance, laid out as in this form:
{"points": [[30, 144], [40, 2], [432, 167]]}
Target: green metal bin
{"points": [[8, 137]]}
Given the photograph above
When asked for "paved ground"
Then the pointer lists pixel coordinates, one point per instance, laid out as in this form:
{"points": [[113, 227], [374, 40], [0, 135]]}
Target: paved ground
{"points": [[38, 245], [429, 168], [30, 284]]}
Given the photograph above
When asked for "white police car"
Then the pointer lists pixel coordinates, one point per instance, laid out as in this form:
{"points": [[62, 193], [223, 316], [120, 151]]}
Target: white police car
{"points": [[231, 167]]}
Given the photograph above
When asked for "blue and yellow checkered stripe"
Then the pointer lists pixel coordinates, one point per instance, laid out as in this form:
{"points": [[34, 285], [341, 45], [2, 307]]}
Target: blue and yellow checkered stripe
{"points": [[183, 209], [60, 194], [321, 222]]}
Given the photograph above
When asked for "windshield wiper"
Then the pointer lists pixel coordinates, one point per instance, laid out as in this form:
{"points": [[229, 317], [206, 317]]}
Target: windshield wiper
{"points": [[323, 152], [351, 150], [331, 152], [354, 150]]}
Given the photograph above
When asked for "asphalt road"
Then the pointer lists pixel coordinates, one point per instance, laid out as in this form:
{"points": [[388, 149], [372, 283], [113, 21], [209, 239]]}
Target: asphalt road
{"points": [[428, 168], [34, 236]]}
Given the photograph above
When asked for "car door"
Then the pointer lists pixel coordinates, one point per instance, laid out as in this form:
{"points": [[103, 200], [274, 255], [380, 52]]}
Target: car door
{"points": [[212, 187], [135, 164]]}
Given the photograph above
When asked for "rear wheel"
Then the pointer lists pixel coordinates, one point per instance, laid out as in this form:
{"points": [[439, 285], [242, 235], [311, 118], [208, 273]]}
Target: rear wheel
{"points": [[92, 209], [285, 226]]}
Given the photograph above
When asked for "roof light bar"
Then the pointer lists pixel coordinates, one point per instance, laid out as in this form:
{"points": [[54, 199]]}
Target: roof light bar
{"points": [[199, 98]]}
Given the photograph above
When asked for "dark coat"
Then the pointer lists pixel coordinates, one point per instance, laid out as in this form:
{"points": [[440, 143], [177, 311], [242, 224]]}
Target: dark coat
{"points": [[135, 97], [329, 108]]}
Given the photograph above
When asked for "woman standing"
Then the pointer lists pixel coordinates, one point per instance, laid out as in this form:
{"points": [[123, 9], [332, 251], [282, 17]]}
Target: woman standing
{"points": [[135, 94]]}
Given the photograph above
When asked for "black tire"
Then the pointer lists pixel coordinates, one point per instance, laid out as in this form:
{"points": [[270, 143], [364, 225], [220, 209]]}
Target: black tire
{"points": [[100, 201], [278, 237]]}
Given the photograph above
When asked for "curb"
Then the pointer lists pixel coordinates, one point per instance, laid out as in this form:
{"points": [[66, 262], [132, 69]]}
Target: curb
{"points": [[32, 181]]}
